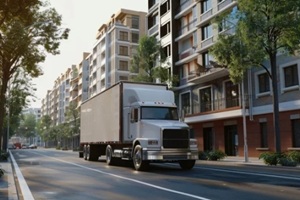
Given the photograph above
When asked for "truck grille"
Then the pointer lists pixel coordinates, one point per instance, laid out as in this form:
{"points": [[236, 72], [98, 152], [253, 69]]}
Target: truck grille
{"points": [[176, 138]]}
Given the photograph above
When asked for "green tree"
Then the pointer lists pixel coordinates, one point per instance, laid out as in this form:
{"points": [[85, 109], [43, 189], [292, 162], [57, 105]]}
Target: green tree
{"points": [[27, 127], [28, 30], [16, 101], [44, 126], [73, 120], [149, 62], [264, 27]]}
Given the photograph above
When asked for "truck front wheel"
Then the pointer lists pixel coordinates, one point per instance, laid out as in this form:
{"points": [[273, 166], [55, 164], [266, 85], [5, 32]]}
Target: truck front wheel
{"points": [[109, 155], [138, 162], [187, 164]]}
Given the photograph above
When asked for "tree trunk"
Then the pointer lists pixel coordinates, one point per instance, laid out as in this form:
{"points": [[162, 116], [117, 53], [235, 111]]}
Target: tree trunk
{"points": [[275, 102], [2, 109]]}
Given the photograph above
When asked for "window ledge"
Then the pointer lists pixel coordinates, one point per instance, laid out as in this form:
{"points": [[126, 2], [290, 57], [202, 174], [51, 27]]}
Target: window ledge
{"points": [[262, 149], [293, 148], [287, 89], [263, 94]]}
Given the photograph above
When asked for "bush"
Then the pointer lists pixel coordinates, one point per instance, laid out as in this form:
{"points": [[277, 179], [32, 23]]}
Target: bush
{"points": [[3, 156], [215, 155], [291, 158], [285, 161], [270, 158], [202, 155], [294, 156], [1, 172]]}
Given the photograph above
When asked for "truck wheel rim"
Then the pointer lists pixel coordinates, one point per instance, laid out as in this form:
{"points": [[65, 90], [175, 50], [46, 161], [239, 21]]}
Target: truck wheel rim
{"points": [[138, 158]]}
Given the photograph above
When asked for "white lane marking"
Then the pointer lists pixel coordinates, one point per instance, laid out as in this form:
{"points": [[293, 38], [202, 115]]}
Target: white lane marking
{"points": [[26, 193], [251, 173], [129, 179]]}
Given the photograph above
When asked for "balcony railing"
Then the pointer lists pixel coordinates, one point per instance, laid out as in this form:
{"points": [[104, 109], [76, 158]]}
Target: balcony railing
{"points": [[184, 29], [216, 105]]}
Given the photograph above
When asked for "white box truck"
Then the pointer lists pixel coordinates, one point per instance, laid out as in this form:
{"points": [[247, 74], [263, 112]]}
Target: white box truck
{"points": [[138, 122]]}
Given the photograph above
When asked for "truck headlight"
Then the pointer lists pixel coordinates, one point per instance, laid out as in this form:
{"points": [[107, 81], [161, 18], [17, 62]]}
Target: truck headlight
{"points": [[193, 142], [152, 142]]}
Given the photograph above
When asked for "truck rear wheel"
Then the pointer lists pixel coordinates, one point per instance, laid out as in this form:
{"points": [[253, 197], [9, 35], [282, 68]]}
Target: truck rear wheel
{"points": [[84, 153], [109, 155], [88, 148], [187, 164], [138, 162]]}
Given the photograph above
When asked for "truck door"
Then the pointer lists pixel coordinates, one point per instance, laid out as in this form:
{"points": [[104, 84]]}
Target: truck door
{"points": [[133, 123]]}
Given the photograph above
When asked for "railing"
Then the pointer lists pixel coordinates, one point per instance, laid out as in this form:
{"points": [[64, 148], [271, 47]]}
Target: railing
{"points": [[216, 105], [184, 29], [183, 6]]}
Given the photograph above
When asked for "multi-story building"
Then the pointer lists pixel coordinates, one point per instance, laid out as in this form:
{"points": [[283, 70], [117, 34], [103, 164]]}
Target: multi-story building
{"points": [[112, 53], [223, 115]]}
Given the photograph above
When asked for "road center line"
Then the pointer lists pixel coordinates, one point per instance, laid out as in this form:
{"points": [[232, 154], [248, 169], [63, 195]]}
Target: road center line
{"points": [[129, 179]]}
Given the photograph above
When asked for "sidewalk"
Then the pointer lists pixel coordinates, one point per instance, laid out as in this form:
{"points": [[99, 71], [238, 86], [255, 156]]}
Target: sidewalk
{"points": [[7, 182]]}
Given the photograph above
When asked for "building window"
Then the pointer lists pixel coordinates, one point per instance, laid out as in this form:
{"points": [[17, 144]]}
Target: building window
{"points": [[291, 75], [206, 5], [206, 32], [123, 36], [123, 78], [135, 22], [186, 103], [263, 83], [206, 57], [124, 50], [123, 65], [232, 94], [135, 37], [205, 100], [263, 135], [296, 132]]}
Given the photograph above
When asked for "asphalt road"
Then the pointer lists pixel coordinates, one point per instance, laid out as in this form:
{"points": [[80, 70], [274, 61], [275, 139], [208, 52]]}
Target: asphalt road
{"points": [[53, 174]]}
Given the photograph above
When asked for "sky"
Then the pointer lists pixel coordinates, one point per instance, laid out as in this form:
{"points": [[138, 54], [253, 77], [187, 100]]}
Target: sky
{"points": [[83, 17]]}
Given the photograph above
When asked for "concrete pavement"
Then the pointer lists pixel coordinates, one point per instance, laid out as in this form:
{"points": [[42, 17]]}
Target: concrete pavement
{"points": [[8, 188]]}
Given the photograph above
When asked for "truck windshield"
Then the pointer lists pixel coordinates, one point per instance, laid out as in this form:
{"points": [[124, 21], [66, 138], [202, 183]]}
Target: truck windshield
{"points": [[164, 113]]}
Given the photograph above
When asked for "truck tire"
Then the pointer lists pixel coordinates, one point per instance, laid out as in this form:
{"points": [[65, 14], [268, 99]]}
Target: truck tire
{"points": [[88, 149], [187, 164], [109, 155], [138, 162], [84, 152]]}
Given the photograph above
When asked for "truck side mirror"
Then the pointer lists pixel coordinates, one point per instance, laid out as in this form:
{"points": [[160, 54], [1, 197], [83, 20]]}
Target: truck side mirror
{"points": [[134, 115]]}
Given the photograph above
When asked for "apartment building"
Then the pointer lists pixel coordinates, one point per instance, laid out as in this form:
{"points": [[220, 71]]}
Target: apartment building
{"points": [[80, 81], [222, 114], [71, 86], [116, 43]]}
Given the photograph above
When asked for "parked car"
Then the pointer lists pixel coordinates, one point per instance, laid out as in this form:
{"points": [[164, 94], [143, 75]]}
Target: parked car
{"points": [[32, 146], [25, 146]]}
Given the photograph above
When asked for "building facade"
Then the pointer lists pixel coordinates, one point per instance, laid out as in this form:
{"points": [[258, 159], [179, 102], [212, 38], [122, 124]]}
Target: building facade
{"points": [[224, 115], [116, 43]]}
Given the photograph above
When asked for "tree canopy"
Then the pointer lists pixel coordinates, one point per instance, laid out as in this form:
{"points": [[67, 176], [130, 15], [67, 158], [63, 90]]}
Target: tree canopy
{"points": [[149, 62], [28, 30], [263, 28]]}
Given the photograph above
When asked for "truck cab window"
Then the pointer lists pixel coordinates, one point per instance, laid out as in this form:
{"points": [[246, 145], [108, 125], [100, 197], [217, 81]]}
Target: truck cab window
{"points": [[165, 113]]}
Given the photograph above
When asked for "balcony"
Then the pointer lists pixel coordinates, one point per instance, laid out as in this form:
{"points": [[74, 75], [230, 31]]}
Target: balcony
{"points": [[226, 4], [215, 106], [188, 28], [207, 74], [184, 8], [153, 30]]}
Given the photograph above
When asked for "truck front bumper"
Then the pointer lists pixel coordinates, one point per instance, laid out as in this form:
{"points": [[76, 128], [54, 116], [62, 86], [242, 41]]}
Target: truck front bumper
{"points": [[170, 155]]}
